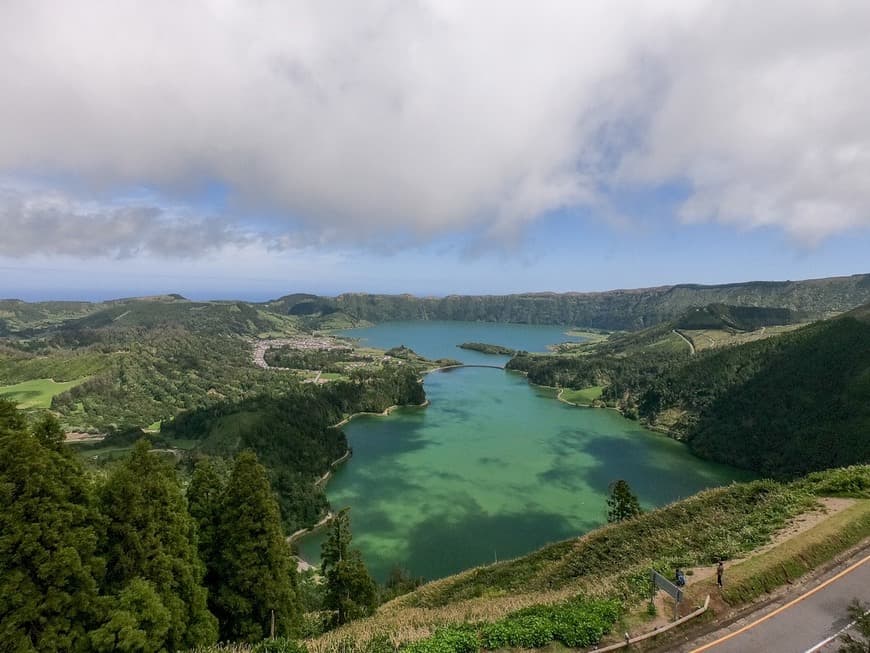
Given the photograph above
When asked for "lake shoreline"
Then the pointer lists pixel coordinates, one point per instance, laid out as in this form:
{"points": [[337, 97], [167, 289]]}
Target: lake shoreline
{"points": [[323, 480], [383, 413]]}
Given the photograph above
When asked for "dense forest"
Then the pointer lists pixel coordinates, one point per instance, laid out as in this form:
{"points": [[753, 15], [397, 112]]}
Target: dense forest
{"points": [[115, 562], [616, 309], [782, 406]]}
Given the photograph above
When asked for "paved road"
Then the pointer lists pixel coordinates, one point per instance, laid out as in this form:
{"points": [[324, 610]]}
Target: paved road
{"points": [[801, 627]]}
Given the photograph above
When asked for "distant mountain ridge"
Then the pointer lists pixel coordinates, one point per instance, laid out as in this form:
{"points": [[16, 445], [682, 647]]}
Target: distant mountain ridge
{"points": [[631, 309], [614, 309]]}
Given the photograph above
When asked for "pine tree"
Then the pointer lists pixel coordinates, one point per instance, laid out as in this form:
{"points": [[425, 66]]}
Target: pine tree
{"points": [[255, 574], [138, 621], [350, 591], [151, 536], [205, 495], [49, 567], [622, 503]]}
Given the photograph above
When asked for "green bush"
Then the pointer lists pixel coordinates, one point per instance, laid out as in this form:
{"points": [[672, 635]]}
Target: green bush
{"points": [[452, 639], [575, 623], [525, 631], [585, 624], [851, 481]]}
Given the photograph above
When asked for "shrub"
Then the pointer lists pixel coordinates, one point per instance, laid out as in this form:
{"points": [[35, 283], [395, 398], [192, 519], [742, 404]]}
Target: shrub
{"points": [[452, 639], [851, 481], [526, 631], [575, 623]]}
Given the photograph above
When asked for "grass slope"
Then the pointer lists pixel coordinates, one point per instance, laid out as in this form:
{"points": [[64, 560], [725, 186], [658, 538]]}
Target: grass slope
{"points": [[584, 396], [37, 393]]}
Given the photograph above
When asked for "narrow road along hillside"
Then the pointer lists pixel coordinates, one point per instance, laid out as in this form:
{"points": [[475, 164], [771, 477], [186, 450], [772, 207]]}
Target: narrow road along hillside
{"points": [[801, 625]]}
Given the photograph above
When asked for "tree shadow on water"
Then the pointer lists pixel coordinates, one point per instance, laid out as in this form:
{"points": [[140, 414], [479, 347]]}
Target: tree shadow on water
{"points": [[656, 482], [443, 544]]}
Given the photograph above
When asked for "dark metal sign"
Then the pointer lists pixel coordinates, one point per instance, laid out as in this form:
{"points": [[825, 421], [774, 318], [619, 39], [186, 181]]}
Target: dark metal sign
{"points": [[664, 584]]}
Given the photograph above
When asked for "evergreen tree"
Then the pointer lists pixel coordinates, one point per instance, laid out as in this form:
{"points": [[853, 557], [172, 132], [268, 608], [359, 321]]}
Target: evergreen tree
{"points": [[49, 567], [11, 419], [255, 574], [350, 591], [205, 495], [622, 503], [49, 432], [151, 536], [138, 622]]}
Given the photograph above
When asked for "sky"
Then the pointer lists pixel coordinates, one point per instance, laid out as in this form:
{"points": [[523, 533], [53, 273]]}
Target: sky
{"points": [[219, 149]]}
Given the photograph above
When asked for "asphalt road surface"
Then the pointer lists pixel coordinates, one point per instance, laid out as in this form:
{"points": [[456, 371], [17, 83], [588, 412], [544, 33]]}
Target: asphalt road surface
{"points": [[805, 624]]}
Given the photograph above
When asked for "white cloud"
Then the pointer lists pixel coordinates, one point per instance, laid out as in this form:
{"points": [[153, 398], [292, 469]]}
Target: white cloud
{"points": [[429, 117], [764, 111], [35, 221]]}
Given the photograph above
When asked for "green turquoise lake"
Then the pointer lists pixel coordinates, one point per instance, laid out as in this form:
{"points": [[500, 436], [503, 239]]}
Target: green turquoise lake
{"points": [[494, 467]]}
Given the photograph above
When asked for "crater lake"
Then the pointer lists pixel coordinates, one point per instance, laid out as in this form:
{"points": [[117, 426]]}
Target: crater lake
{"points": [[494, 467]]}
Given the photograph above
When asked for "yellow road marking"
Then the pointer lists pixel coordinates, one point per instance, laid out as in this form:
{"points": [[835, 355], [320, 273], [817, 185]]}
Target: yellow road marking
{"points": [[782, 608]]}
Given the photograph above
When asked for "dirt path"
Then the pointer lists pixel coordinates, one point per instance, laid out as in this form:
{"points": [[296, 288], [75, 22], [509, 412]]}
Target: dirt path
{"points": [[77, 436], [688, 341]]}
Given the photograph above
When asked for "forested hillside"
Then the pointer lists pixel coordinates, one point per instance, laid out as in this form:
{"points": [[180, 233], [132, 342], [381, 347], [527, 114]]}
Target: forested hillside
{"points": [[185, 372], [788, 405], [293, 433], [784, 405], [616, 309], [135, 362]]}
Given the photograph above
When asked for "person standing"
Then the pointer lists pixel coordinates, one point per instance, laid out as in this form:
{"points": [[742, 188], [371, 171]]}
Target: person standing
{"points": [[720, 568]]}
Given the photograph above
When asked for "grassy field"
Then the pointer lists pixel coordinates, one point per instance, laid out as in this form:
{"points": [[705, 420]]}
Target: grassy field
{"points": [[715, 338], [585, 396], [36, 393], [590, 336]]}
